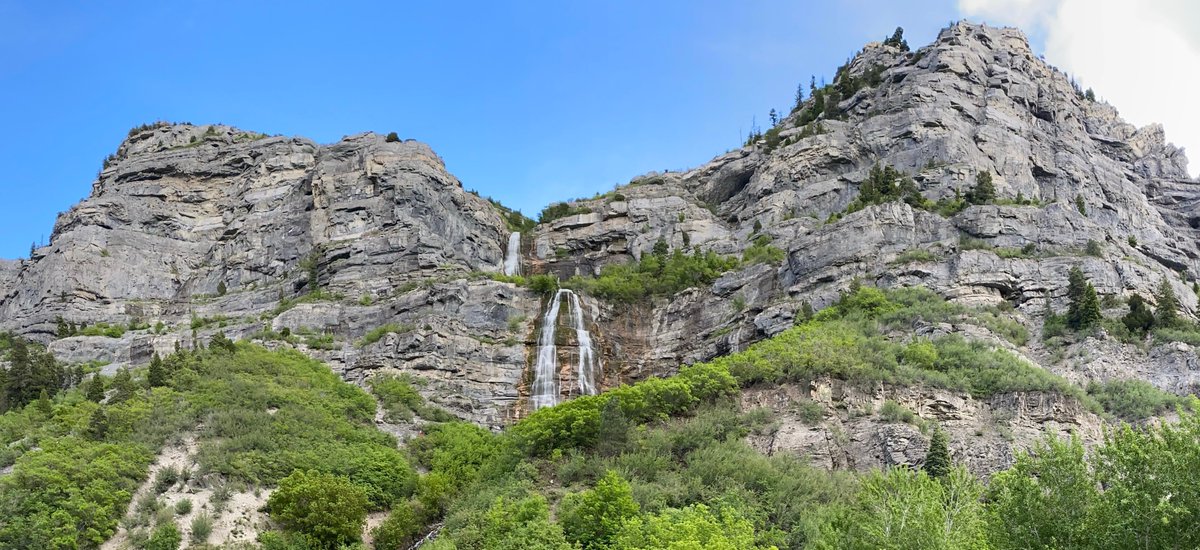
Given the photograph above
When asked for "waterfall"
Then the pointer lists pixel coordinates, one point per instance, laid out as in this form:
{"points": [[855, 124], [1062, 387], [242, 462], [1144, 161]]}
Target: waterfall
{"points": [[589, 360], [545, 389], [512, 259], [544, 392]]}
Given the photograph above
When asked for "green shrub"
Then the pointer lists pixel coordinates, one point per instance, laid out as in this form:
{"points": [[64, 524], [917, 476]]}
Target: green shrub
{"points": [[593, 518], [202, 526], [183, 507], [165, 537], [1133, 399], [658, 275], [892, 411], [695, 526], [399, 529], [103, 329], [543, 284], [329, 509], [392, 137], [560, 210], [761, 252], [810, 412], [914, 255], [376, 334]]}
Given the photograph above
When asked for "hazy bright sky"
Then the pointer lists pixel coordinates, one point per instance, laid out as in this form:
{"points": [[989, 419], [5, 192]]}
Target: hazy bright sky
{"points": [[528, 102]]}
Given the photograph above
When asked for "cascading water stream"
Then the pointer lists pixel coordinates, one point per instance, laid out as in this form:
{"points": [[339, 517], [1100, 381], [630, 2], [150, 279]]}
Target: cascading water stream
{"points": [[589, 360], [545, 389], [512, 258], [544, 392]]}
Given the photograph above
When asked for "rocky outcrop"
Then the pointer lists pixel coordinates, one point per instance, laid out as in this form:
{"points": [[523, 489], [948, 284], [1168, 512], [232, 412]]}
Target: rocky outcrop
{"points": [[839, 426], [1068, 172], [209, 229]]}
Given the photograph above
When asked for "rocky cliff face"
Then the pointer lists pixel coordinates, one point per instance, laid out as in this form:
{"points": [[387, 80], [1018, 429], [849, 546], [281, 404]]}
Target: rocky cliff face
{"points": [[331, 242], [975, 100]]}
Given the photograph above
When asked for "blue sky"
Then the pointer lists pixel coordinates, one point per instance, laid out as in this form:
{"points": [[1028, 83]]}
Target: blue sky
{"points": [[528, 102]]}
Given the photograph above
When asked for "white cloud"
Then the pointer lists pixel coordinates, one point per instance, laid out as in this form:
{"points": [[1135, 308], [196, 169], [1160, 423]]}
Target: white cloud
{"points": [[1143, 56]]}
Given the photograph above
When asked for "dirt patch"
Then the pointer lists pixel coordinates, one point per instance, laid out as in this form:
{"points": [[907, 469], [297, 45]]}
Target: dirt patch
{"points": [[236, 516]]}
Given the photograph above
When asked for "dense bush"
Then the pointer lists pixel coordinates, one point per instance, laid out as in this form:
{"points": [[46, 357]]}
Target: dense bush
{"points": [[327, 509], [264, 414], [561, 210], [1133, 399], [376, 334], [657, 274]]}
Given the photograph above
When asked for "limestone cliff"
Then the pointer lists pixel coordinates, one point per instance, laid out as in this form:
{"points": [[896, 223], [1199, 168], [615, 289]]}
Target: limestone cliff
{"points": [[210, 228]]}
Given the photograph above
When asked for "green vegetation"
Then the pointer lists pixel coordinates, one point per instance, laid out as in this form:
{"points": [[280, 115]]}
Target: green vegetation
{"points": [[401, 401], [101, 329], [1134, 399], [897, 40], [260, 416], [659, 274], [937, 460], [561, 210], [984, 190], [323, 510], [1083, 312], [32, 374], [761, 252], [849, 341], [914, 255], [886, 184], [392, 137], [663, 463], [377, 333]]}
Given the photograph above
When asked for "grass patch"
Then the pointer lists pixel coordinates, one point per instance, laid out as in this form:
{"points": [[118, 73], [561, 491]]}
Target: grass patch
{"points": [[376, 334]]}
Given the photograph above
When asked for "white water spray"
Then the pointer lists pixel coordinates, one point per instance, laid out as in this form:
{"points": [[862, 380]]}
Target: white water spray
{"points": [[512, 259], [545, 390], [589, 360]]}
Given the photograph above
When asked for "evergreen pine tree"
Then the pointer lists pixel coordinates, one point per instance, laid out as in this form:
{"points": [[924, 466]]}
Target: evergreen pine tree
{"points": [[97, 425], [1166, 308], [1140, 319], [1076, 285], [937, 460], [19, 385], [43, 403], [123, 384], [661, 248], [984, 190], [95, 389], [221, 288], [1089, 309], [157, 376], [613, 434], [61, 328]]}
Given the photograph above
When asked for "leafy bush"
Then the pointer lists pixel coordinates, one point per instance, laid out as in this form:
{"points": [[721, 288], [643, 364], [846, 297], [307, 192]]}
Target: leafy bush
{"points": [[892, 411], [560, 210], [914, 255], [376, 334], [325, 507], [1133, 399], [165, 537], [202, 526], [662, 274], [695, 526], [103, 329], [593, 518], [761, 252]]}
